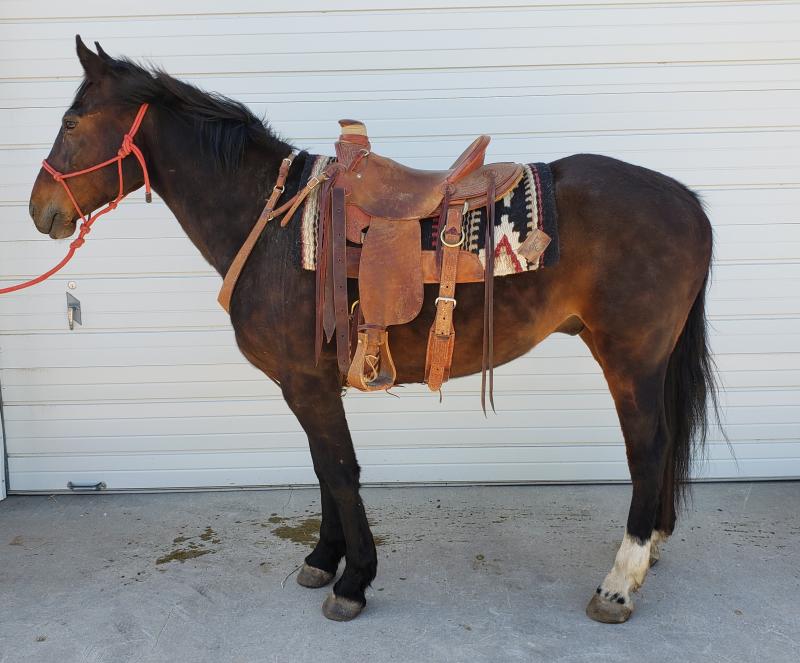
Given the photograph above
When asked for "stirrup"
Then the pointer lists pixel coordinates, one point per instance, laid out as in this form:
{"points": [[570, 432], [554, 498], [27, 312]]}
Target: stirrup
{"points": [[372, 368]]}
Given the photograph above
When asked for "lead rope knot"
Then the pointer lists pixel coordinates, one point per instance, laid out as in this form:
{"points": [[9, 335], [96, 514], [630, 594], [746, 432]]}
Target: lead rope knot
{"points": [[127, 146], [80, 240]]}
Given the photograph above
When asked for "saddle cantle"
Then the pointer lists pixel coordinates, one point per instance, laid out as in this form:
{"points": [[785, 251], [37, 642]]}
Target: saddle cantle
{"points": [[370, 208]]}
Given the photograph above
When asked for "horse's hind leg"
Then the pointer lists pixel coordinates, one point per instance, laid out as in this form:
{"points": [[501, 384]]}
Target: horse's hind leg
{"points": [[636, 380], [316, 401], [666, 512]]}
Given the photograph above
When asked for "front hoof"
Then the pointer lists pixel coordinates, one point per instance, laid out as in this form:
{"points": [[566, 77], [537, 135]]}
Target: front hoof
{"points": [[340, 609], [311, 576], [608, 610]]}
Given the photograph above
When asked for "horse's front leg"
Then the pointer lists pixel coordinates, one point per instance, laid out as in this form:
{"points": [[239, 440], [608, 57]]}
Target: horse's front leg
{"points": [[321, 565], [316, 401]]}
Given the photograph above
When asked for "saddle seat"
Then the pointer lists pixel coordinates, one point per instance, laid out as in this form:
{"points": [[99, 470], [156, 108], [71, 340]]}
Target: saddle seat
{"points": [[379, 186]]}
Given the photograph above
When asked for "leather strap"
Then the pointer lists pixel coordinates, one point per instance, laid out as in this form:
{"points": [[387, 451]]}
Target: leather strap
{"points": [[324, 320], [235, 270], [338, 243], [301, 195], [487, 361], [442, 335]]}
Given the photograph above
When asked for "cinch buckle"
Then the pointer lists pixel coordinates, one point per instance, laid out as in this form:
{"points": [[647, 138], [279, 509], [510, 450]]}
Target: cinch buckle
{"points": [[447, 300]]}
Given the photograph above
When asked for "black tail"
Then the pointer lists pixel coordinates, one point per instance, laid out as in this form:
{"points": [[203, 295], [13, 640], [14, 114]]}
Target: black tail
{"points": [[690, 391]]}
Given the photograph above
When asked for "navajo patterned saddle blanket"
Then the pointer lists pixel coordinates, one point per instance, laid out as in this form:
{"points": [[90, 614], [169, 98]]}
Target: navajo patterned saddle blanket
{"points": [[527, 207]]}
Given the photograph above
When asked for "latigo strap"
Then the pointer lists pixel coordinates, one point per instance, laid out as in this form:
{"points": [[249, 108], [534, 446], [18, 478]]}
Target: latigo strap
{"points": [[442, 336]]}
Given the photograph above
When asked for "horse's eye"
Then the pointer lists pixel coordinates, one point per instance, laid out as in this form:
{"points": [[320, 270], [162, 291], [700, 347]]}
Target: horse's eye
{"points": [[70, 124]]}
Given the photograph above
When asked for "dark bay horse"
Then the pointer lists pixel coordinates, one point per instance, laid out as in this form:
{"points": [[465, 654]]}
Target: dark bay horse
{"points": [[635, 259]]}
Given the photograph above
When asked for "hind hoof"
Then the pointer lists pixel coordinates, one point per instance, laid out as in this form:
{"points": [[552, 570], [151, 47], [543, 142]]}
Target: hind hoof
{"points": [[311, 576], [607, 611], [340, 609]]}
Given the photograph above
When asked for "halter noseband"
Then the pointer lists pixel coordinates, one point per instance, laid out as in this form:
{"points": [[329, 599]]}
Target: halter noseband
{"points": [[127, 147]]}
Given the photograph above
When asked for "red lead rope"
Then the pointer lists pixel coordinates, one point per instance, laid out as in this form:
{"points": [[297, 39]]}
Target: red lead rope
{"points": [[128, 147]]}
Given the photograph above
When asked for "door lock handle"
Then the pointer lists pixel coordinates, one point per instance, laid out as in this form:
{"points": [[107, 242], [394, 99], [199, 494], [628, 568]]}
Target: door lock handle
{"points": [[73, 311]]}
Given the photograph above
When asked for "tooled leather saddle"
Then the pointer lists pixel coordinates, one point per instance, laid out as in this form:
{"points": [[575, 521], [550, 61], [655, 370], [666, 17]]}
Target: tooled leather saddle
{"points": [[370, 208]]}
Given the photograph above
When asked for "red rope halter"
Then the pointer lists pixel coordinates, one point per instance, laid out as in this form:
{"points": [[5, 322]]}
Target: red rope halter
{"points": [[127, 147]]}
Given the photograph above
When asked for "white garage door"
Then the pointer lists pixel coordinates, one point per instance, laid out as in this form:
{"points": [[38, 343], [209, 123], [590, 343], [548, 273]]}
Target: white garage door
{"points": [[151, 392]]}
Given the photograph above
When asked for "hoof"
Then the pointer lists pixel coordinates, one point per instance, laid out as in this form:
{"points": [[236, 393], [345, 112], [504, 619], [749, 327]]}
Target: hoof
{"points": [[340, 609], [311, 576], [607, 611]]}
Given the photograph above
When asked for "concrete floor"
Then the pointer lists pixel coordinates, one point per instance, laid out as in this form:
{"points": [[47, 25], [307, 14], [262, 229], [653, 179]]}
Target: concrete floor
{"points": [[465, 574]]}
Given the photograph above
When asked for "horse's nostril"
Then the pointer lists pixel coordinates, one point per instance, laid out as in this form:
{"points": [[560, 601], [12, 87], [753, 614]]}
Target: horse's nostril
{"points": [[45, 218]]}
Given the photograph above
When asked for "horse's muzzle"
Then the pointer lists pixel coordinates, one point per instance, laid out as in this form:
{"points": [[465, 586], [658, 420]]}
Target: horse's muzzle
{"points": [[51, 220]]}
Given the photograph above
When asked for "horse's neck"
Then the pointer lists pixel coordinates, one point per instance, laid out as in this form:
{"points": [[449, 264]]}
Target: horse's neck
{"points": [[216, 209]]}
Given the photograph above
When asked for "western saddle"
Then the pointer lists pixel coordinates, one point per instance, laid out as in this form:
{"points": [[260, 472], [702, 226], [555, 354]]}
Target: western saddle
{"points": [[370, 209]]}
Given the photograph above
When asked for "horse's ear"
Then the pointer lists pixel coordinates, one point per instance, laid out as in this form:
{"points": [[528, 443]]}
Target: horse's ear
{"points": [[105, 56], [93, 64]]}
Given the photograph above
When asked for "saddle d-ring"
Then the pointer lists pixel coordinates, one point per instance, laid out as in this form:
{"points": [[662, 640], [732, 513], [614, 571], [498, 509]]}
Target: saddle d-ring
{"points": [[446, 243]]}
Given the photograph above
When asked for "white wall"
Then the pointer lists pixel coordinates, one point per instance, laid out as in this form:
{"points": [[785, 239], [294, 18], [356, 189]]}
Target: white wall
{"points": [[151, 391]]}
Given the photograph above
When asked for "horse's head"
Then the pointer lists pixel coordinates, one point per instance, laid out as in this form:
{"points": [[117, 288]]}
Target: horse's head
{"points": [[91, 132]]}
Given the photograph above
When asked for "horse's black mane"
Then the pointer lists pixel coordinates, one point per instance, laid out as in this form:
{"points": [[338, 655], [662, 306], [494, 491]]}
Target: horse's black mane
{"points": [[225, 126]]}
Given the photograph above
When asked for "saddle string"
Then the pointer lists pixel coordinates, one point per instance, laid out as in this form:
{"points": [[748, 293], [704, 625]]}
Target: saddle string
{"points": [[488, 298], [127, 147]]}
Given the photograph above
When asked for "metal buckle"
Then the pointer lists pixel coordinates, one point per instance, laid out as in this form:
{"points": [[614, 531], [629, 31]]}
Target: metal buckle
{"points": [[452, 246], [447, 300], [279, 189]]}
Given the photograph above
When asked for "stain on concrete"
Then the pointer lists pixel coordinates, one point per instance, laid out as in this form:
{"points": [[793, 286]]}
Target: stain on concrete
{"points": [[208, 534], [192, 549], [16, 541], [305, 532], [182, 554]]}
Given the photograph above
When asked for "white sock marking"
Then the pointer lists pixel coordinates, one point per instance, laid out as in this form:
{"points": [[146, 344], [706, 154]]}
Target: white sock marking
{"points": [[630, 568]]}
